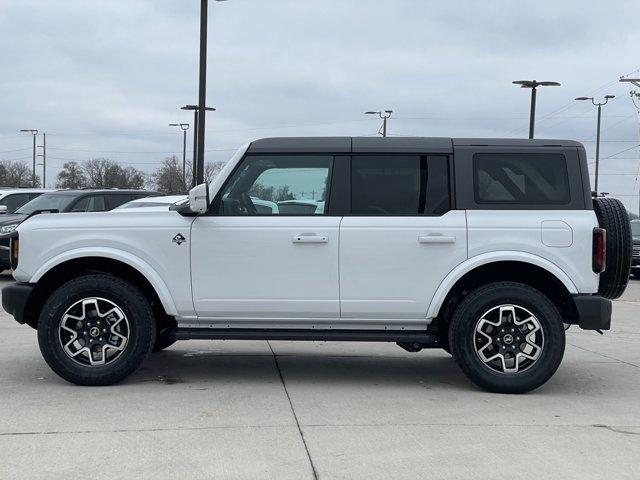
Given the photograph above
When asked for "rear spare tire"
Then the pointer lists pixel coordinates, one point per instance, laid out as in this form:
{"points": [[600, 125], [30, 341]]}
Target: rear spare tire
{"points": [[613, 217]]}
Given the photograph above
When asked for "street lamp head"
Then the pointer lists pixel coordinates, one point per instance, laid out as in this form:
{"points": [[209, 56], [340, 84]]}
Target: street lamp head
{"points": [[388, 111], [584, 98], [372, 113], [29, 130], [609, 96], [196, 107], [535, 84], [549, 84]]}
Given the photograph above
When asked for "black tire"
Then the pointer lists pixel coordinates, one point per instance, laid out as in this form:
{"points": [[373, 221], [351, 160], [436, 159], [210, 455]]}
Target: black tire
{"points": [[468, 314], [613, 217], [128, 298]]}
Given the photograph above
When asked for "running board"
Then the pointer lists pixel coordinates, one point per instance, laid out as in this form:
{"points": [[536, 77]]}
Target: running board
{"points": [[422, 338]]}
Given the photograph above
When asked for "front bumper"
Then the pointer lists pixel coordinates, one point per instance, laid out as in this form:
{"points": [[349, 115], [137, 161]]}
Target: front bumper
{"points": [[594, 312], [15, 298]]}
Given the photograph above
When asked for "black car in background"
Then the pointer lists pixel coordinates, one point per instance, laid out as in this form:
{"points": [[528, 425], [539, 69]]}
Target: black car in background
{"points": [[64, 201], [635, 258]]}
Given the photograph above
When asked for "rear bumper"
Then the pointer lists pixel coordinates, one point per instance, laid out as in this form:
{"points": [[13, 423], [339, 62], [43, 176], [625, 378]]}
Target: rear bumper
{"points": [[14, 299], [594, 312]]}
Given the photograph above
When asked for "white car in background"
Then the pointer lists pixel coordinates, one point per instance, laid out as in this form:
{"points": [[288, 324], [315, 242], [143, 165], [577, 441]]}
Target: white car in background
{"points": [[153, 202], [12, 199]]}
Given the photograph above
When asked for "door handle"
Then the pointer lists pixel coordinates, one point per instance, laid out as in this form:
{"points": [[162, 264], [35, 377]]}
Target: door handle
{"points": [[436, 238], [309, 238]]}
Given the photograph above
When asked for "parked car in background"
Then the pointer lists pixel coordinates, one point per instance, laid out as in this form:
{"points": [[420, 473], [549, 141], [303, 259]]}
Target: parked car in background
{"points": [[158, 201], [635, 258], [63, 201], [13, 198]]}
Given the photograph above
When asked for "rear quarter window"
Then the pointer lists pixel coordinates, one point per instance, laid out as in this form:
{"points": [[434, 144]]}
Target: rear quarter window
{"points": [[521, 179]]}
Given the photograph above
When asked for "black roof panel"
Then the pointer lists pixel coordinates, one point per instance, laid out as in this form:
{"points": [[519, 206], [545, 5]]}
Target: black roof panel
{"points": [[391, 144]]}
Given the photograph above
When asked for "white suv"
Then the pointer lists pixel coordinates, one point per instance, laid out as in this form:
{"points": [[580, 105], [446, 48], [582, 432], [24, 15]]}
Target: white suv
{"points": [[482, 247]]}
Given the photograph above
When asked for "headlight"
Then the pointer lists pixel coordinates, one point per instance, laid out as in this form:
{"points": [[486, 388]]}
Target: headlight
{"points": [[8, 228]]}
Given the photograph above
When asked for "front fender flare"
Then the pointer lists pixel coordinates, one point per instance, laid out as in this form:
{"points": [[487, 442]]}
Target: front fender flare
{"points": [[115, 254], [486, 258]]}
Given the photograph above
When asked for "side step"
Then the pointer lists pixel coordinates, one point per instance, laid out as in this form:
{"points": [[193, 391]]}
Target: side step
{"points": [[413, 337]]}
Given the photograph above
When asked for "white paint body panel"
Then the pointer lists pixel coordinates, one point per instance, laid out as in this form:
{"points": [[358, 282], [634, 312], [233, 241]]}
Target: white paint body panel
{"points": [[256, 267], [390, 267], [141, 240], [568, 234]]}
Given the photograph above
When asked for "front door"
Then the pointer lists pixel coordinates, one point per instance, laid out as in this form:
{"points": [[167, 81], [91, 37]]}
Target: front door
{"points": [[401, 239], [268, 249]]}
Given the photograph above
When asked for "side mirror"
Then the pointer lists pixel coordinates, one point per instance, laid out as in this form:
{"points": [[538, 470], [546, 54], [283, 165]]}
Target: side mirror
{"points": [[199, 198], [3, 209]]}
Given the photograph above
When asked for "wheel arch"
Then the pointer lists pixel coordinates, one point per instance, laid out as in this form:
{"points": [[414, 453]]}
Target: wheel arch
{"points": [[525, 268], [75, 263]]}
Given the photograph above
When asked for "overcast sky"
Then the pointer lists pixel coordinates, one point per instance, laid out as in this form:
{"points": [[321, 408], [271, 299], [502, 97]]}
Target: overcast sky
{"points": [[104, 78]]}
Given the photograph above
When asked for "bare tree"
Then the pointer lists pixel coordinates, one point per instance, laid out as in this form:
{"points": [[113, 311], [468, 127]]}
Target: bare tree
{"points": [[71, 176], [16, 174], [105, 173], [168, 176]]}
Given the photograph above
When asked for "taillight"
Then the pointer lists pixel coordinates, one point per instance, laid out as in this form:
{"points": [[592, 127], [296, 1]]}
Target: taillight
{"points": [[14, 248], [599, 250]]}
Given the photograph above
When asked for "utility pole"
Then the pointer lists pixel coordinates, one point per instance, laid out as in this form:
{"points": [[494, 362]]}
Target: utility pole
{"points": [[533, 85], [384, 116], [635, 94], [44, 159], [599, 105], [184, 127], [33, 133]]}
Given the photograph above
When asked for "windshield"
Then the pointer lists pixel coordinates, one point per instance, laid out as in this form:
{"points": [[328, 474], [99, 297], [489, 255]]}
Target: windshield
{"points": [[48, 201], [635, 228]]}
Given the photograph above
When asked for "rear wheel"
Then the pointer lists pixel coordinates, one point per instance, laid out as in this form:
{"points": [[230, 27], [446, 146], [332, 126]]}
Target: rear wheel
{"points": [[96, 330], [507, 337]]}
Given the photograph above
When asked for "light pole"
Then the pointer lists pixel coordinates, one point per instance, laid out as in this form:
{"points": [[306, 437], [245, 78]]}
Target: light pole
{"points": [[599, 105], [533, 85], [202, 90], [34, 133], [184, 127], [196, 110], [383, 115]]}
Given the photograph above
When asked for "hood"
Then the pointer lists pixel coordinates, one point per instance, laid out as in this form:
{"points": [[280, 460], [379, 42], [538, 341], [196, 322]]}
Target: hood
{"points": [[11, 219], [96, 221]]}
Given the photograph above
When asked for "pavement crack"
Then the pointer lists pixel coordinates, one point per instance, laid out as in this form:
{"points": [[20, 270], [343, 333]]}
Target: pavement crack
{"points": [[616, 430], [605, 356], [293, 411]]}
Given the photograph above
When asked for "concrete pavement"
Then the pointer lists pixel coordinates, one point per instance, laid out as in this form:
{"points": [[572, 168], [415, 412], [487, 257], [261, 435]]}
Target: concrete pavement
{"points": [[249, 410]]}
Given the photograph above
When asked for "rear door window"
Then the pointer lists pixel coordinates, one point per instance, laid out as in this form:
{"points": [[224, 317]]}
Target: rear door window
{"points": [[399, 185], [521, 179], [91, 203]]}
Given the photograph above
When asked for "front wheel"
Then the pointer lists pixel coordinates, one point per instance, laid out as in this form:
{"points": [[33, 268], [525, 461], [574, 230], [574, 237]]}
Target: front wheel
{"points": [[96, 330], [507, 337]]}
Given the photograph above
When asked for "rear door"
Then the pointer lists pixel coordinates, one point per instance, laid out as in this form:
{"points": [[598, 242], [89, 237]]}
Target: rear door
{"points": [[401, 238]]}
